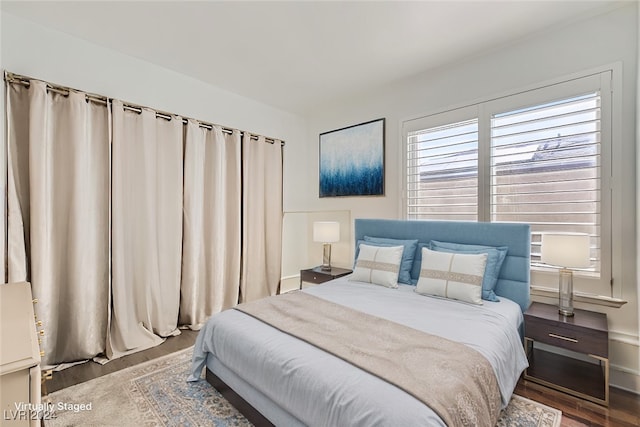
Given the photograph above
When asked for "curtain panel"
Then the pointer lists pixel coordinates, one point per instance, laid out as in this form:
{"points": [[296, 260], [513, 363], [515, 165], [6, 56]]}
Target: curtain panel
{"points": [[262, 218], [129, 224], [212, 221], [58, 215], [146, 229]]}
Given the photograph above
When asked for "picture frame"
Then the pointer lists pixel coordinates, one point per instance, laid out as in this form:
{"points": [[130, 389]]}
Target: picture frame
{"points": [[351, 160]]}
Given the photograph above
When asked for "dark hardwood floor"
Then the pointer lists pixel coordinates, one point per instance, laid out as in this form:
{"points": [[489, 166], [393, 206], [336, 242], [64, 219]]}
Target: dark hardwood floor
{"points": [[80, 373], [624, 409]]}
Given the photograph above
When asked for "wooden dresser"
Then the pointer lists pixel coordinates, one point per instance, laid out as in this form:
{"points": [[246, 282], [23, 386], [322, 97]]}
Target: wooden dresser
{"points": [[19, 357]]}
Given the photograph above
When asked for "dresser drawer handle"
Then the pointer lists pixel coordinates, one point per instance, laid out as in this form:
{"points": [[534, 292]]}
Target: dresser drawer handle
{"points": [[563, 338]]}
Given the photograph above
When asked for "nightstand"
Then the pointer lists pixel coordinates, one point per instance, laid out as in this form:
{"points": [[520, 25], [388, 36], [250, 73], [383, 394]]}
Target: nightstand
{"points": [[585, 335], [317, 275]]}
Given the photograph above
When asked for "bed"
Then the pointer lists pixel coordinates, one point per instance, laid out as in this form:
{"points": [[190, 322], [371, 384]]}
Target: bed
{"points": [[285, 379]]}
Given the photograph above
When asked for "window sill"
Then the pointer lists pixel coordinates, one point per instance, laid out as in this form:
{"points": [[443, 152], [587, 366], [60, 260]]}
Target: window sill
{"points": [[579, 297]]}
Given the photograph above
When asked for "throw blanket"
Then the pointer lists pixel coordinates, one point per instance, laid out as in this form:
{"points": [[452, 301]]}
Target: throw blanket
{"points": [[454, 380]]}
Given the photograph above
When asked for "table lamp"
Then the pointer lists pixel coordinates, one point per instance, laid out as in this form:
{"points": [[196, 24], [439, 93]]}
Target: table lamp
{"points": [[566, 251], [326, 232]]}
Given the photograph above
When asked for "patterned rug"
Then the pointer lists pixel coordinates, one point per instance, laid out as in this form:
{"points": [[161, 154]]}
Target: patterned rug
{"points": [[156, 394]]}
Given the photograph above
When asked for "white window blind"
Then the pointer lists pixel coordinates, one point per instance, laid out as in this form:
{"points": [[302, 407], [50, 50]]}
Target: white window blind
{"points": [[546, 169], [442, 173]]}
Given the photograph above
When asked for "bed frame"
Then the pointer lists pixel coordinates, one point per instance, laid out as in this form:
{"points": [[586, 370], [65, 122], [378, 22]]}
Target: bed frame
{"points": [[249, 412], [513, 281]]}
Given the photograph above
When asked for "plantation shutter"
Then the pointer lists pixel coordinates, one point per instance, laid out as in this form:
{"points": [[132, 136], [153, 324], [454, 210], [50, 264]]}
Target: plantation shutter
{"points": [[442, 172], [546, 169]]}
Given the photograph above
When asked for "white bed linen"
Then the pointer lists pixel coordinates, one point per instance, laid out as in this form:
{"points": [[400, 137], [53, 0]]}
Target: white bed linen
{"points": [[320, 389]]}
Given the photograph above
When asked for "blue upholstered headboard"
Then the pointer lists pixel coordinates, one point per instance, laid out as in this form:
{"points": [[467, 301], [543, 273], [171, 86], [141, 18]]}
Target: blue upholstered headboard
{"points": [[513, 282]]}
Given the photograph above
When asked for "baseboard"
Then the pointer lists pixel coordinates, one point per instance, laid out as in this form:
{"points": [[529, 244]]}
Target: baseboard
{"points": [[289, 283], [624, 379], [624, 369]]}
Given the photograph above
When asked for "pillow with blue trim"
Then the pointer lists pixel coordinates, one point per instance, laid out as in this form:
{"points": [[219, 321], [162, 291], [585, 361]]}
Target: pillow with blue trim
{"points": [[408, 254], [495, 258]]}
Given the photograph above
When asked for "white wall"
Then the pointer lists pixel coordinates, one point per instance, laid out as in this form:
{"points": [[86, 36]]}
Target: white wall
{"points": [[585, 45]]}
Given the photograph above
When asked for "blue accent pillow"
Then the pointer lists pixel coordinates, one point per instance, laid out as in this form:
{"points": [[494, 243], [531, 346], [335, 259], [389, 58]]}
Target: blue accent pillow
{"points": [[417, 263], [495, 258], [404, 276]]}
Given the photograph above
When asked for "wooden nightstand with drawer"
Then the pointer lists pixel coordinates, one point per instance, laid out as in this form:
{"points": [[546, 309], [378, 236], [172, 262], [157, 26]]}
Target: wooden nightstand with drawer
{"points": [[318, 275], [585, 335]]}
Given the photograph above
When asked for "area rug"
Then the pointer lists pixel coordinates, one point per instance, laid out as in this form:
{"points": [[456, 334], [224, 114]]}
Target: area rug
{"points": [[156, 393]]}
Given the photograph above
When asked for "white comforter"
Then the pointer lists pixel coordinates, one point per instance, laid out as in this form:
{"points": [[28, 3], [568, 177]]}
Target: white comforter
{"points": [[320, 389]]}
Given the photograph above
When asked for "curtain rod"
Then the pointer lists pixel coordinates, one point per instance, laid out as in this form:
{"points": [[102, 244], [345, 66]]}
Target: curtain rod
{"points": [[101, 99]]}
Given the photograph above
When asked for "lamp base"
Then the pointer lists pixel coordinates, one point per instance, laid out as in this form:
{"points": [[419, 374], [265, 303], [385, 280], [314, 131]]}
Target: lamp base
{"points": [[565, 290], [326, 257]]}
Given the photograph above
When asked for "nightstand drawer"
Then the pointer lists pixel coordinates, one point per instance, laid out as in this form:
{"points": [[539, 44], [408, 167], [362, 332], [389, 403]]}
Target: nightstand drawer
{"points": [[581, 340], [313, 277], [317, 275]]}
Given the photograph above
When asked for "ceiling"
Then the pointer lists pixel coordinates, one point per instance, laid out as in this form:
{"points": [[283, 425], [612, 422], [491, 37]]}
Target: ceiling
{"points": [[298, 55]]}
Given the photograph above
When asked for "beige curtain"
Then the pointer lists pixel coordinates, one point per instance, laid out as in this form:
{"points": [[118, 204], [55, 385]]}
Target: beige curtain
{"points": [[98, 228], [58, 215], [262, 218], [211, 245], [146, 229]]}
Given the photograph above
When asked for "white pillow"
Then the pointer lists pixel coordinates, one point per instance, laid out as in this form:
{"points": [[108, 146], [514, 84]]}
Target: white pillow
{"points": [[378, 265], [452, 275]]}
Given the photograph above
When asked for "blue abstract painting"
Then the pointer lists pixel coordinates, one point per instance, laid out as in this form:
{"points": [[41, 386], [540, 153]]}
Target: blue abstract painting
{"points": [[352, 160]]}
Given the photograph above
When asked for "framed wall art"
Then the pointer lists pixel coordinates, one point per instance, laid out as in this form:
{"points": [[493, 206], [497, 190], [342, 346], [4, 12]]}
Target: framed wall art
{"points": [[352, 160]]}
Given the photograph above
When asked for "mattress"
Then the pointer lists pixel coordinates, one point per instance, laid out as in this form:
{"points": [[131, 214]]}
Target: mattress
{"points": [[290, 379]]}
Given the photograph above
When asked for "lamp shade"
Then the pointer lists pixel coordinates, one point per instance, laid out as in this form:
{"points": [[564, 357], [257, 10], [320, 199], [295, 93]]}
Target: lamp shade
{"points": [[326, 231], [566, 250]]}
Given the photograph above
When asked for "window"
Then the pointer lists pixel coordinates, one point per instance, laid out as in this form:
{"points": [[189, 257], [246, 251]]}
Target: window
{"points": [[442, 176], [541, 157]]}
